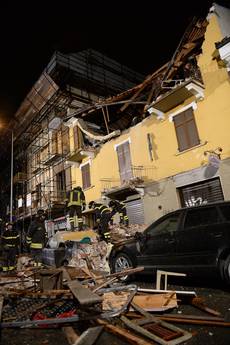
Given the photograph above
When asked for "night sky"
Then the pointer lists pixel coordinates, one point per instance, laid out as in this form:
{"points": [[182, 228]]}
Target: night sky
{"points": [[142, 36]]}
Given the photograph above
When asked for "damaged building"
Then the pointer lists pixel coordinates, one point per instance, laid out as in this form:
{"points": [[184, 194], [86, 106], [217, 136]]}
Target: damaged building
{"points": [[159, 145], [173, 149]]}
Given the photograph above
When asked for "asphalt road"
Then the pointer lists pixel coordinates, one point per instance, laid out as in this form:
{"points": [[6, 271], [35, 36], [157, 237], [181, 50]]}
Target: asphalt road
{"points": [[216, 295]]}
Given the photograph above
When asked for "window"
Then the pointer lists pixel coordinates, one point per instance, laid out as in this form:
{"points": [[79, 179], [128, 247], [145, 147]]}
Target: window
{"points": [[124, 162], [61, 184], [226, 212], [169, 224], [85, 171], [186, 130], [201, 217]]}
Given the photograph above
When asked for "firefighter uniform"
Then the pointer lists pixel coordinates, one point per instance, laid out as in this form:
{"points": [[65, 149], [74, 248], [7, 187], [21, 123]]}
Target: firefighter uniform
{"points": [[103, 216], [10, 241], [75, 201], [36, 238], [119, 207]]}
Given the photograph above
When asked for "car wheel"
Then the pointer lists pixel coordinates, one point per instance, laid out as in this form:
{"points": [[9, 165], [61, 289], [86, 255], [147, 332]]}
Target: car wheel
{"points": [[120, 263], [227, 270]]}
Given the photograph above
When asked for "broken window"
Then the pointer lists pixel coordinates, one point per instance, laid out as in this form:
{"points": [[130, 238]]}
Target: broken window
{"points": [[186, 130], [85, 171]]}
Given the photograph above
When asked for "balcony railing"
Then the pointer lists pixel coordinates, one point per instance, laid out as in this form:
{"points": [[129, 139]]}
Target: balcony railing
{"points": [[140, 175]]}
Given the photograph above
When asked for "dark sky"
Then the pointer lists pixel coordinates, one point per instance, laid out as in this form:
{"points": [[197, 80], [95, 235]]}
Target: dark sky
{"points": [[142, 36]]}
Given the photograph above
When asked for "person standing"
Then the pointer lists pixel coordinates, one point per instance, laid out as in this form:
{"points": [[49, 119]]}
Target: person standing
{"points": [[119, 207], [103, 216], [75, 202], [10, 242], [36, 237]]}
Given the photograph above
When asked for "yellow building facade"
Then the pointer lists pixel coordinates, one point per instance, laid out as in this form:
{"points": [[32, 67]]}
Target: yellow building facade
{"points": [[166, 171]]}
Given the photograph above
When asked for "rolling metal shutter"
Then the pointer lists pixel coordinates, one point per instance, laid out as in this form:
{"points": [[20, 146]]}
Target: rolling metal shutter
{"points": [[135, 211], [201, 193]]}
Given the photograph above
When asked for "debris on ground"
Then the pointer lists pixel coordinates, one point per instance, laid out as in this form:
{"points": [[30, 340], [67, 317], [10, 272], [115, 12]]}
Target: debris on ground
{"points": [[86, 291]]}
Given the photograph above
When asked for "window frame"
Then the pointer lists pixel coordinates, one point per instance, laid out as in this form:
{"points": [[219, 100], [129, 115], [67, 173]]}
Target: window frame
{"points": [[184, 125], [202, 209]]}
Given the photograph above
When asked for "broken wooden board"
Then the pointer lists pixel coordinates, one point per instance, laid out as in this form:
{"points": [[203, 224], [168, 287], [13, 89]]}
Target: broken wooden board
{"points": [[114, 301], [70, 334], [84, 295], [123, 334], [89, 336], [155, 302]]}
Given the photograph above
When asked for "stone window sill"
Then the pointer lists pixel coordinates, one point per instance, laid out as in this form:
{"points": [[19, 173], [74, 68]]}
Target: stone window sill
{"points": [[191, 148]]}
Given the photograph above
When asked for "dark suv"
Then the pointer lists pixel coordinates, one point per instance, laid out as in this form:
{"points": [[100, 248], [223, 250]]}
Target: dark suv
{"points": [[193, 240]]}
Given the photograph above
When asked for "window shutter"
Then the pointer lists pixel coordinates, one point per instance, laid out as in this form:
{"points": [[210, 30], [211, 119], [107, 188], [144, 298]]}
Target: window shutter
{"points": [[78, 138], [86, 181], [65, 140], [186, 130], [54, 142], [124, 162]]}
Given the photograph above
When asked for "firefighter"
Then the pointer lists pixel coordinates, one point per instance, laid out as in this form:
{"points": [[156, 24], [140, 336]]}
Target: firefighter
{"points": [[119, 207], [36, 237], [75, 202], [103, 216], [10, 241]]}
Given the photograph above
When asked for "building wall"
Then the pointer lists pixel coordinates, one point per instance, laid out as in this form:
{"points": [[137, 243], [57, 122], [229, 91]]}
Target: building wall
{"points": [[213, 123]]}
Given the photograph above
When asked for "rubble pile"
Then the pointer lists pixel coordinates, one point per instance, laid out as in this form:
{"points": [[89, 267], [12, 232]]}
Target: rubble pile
{"points": [[92, 255], [120, 232], [54, 298]]}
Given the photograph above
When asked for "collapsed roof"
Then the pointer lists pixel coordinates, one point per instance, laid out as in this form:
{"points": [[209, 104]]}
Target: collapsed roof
{"points": [[129, 107]]}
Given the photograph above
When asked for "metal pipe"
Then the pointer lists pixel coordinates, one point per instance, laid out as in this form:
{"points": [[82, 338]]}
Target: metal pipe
{"points": [[11, 176]]}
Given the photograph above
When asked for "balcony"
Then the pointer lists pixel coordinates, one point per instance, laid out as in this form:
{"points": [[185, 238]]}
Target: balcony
{"points": [[141, 175], [179, 91], [78, 155]]}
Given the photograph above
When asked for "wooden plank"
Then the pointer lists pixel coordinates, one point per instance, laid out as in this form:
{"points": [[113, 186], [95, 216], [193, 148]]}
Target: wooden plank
{"points": [[195, 321], [155, 302], [70, 334], [123, 334], [199, 303], [89, 336], [84, 295], [105, 119]]}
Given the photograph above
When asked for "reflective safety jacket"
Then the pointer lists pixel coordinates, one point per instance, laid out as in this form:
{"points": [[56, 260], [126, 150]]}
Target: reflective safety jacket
{"points": [[75, 197], [10, 238], [119, 207], [100, 210], [36, 236]]}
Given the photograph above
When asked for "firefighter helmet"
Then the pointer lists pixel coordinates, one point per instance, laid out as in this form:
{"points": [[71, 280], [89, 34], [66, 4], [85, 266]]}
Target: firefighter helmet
{"points": [[92, 204]]}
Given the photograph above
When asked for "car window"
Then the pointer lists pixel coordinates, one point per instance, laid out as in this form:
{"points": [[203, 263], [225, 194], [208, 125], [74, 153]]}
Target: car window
{"points": [[203, 216], [226, 211], [168, 224]]}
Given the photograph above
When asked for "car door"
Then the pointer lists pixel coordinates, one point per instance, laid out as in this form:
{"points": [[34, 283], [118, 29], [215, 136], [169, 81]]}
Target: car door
{"points": [[196, 241], [158, 249]]}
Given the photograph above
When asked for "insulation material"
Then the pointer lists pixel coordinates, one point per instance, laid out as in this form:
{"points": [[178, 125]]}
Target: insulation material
{"points": [[94, 135]]}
